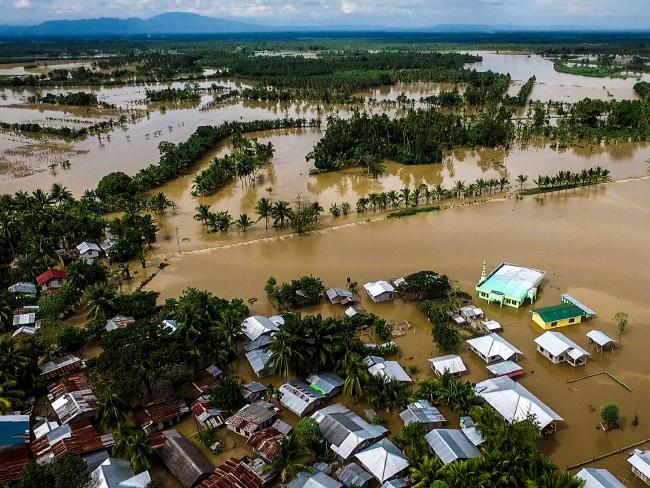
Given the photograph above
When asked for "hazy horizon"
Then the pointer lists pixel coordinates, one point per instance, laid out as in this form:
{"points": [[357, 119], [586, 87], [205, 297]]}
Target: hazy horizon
{"points": [[627, 14]]}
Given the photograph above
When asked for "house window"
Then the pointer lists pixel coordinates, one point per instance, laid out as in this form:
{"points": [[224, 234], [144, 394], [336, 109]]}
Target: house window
{"points": [[553, 324], [572, 321]]}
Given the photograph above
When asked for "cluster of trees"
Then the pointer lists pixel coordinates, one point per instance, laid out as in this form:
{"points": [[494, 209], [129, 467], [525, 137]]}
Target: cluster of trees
{"points": [[445, 335], [523, 93], [189, 93], [177, 159], [425, 285], [66, 132], [642, 88], [244, 161], [75, 99], [564, 180], [306, 290], [421, 136]]}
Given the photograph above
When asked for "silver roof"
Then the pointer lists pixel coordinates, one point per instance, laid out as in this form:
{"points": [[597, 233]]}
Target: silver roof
{"points": [[116, 473], [24, 319], [568, 298], [397, 483], [353, 475], [451, 445], [641, 461], [377, 288], [257, 325], [259, 360], [599, 337], [492, 345], [383, 460], [598, 478], [316, 480], [23, 287], [503, 368], [451, 363], [298, 397], [378, 366], [84, 247], [423, 412], [344, 430], [260, 343], [557, 344], [326, 382]]}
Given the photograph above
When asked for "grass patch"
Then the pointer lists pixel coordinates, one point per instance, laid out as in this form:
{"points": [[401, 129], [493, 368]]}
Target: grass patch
{"points": [[537, 191], [592, 71], [405, 212]]}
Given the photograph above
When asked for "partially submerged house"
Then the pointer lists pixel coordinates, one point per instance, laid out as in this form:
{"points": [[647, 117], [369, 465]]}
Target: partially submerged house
{"points": [[353, 475], [185, 461], [206, 415], [509, 284], [344, 431], [384, 460], [260, 362], [62, 365], [471, 313], [107, 245], [118, 322], [253, 391], [252, 418], [327, 384], [234, 473], [161, 414], [117, 473], [265, 443], [300, 398], [391, 370], [206, 380], [598, 478], [72, 397], [258, 325], [422, 412], [313, 480], [340, 296], [89, 251], [558, 348], [601, 341], [640, 465], [505, 368], [451, 364], [569, 312], [450, 445], [515, 403], [23, 287], [380, 291], [492, 348], [51, 280]]}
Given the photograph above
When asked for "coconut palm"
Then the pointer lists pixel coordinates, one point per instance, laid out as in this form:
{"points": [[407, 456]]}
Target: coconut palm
{"points": [[231, 328], [290, 459], [522, 179], [458, 188], [263, 209], [424, 471], [112, 410], [243, 223], [101, 301], [503, 183], [202, 214], [13, 358], [405, 195], [7, 230], [335, 210], [59, 193], [281, 213], [556, 479], [159, 203], [132, 444], [356, 375], [10, 396], [285, 356]]}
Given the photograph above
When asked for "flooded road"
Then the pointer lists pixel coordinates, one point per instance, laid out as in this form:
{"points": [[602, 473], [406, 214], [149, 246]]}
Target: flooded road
{"points": [[593, 244]]}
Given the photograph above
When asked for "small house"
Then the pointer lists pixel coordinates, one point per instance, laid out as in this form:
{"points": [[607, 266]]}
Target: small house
{"points": [[509, 284], [184, 460], [51, 280], [471, 432], [640, 465], [89, 251], [505, 368], [598, 478], [169, 325], [422, 412], [340, 296], [344, 431], [558, 348], [492, 348], [313, 480], [62, 365], [71, 397], [451, 364], [352, 475], [252, 418], [160, 415], [380, 291], [117, 473], [601, 341], [265, 443], [206, 380], [299, 398], [471, 313], [107, 245], [450, 445], [390, 370], [25, 320], [206, 415], [327, 384], [569, 312], [258, 325], [253, 392], [260, 362], [515, 403], [23, 288], [234, 473], [491, 326], [118, 322], [384, 460]]}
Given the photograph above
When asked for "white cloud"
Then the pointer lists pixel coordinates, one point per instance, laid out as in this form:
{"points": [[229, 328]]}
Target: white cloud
{"points": [[23, 4]]}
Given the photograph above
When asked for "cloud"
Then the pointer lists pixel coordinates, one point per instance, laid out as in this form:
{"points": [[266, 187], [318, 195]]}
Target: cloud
{"points": [[23, 4]]}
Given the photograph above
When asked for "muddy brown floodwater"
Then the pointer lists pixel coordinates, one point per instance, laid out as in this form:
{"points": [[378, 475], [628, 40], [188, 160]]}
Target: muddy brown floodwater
{"points": [[593, 244]]}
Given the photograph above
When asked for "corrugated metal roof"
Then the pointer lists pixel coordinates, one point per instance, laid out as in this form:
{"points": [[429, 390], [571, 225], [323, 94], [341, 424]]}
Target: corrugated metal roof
{"points": [[383, 460], [423, 412], [85, 247], [377, 288], [299, 398], [599, 337], [504, 368], [23, 287], [116, 473], [598, 478], [353, 475], [12, 462], [24, 319], [234, 473], [315, 480], [325, 383], [512, 280], [557, 344], [641, 461], [260, 361], [451, 363], [62, 365], [257, 325], [450, 445], [492, 345], [378, 366]]}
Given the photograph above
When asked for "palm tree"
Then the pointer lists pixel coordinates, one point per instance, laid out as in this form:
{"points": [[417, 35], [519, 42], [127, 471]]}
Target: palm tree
{"points": [[7, 228], [10, 396], [424, 472], [13, 358], [459, 187], [405, 194], [202, 214], [521, 179], [356, 375], [503, 183], [556, 479], [112, 410], [132, 443], [243, 223], [393, 198], [290, 459], [263, 208], [281, 213], [101, 301], [59, 193], [231, 328], [159, 203], [316, 210], [285, 356]]}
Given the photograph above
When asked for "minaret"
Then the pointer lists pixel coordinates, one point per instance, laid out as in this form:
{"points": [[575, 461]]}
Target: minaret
{"points": [[483, 273]]}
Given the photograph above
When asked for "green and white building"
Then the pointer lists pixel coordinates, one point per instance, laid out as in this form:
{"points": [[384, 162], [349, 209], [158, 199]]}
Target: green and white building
{"points": [[509, 284]]}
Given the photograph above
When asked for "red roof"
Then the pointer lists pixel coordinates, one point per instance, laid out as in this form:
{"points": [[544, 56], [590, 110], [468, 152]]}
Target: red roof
{"points": [[206, 381], [82, 439], [265, 443], [61, 366], [234, 473], [68, 384], [12, 462], [49, 275], [162, 411]]}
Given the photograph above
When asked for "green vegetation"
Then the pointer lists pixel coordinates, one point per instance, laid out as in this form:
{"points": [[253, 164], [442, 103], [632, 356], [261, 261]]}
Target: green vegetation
{"points": [[65, 132], [189, 93], [407, 212], [306, 290], [565, 180], [425, 285], [622, 321], [610, 413], [66, 471], [227, 395], [75, 99], [642, 88]]}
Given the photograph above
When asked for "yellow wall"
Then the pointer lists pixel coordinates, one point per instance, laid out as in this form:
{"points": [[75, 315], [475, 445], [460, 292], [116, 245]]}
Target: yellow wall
{"points": [[561, 323]]}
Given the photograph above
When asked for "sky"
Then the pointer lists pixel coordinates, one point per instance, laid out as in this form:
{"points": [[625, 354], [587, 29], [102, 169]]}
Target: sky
{"points": [[632, 14]]}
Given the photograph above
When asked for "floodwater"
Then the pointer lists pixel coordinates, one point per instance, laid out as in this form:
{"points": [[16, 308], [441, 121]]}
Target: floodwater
{"points": [[551, 85], [593, 243]]}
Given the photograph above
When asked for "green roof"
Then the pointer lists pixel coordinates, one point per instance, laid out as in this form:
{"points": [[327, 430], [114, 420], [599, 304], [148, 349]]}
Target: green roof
{"points": [[559, 312]]}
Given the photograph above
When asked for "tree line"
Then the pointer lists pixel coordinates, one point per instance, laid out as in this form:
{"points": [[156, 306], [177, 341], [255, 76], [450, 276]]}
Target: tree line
{"points": [[75, 99]]}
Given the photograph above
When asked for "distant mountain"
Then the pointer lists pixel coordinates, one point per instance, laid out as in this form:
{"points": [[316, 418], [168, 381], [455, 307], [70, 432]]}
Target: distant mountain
{"points": [[167, 23]]}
